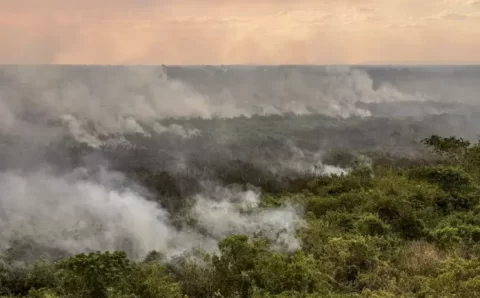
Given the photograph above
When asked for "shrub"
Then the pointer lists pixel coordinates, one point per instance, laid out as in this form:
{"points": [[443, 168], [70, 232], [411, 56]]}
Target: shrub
{"points": [[450, 179], [371, 225]]}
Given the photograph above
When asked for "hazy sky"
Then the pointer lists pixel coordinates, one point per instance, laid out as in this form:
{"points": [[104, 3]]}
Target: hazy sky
{"points": [[239, 31]]}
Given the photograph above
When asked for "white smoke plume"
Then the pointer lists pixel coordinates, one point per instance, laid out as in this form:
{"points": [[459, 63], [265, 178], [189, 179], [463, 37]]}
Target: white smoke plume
{"points": [[93, 110], [228, 210], [100, 102], [336, 93], [176, 129], [301, 161], [76, 214]]}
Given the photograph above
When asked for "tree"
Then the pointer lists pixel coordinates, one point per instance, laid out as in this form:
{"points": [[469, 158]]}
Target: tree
{"points": [[95, 274]]}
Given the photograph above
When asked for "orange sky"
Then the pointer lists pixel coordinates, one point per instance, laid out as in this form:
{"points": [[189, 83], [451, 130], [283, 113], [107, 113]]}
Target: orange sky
{"points": [[239, 31]]}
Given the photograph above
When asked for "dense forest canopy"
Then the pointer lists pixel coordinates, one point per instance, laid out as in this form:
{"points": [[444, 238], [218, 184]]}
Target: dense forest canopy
{"points": [[213, 182], [390, 228]]}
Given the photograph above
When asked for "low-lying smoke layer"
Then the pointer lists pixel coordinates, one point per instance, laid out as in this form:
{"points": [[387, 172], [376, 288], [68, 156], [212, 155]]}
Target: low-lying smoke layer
{"points": [[95, 102], [73, 213]]}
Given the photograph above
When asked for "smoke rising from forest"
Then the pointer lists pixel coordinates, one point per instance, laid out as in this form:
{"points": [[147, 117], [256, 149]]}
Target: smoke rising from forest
{"points": [[95, 103], [212, 138], [76, 214]]}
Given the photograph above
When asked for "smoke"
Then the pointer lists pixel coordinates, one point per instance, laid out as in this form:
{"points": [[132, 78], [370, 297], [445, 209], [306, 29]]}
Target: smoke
{"points": [[92, 109], [78, 210], [295, 160], [79, 133], [331, 91], [228, 210], [176, 129], [100, 103], [85, 211]]}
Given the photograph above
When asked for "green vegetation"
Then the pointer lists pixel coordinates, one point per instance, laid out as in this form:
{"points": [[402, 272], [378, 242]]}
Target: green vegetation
{"points": [[393, 229]]}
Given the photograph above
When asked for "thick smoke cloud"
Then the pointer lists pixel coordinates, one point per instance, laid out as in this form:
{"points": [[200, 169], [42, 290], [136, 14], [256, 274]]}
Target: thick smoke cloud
{"points": [[73, 213], [96, 107], [101, 102]]}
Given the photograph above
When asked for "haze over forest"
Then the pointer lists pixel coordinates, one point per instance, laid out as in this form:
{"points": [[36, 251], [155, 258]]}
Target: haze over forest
{"points": [[180, 159], [237, 149]]}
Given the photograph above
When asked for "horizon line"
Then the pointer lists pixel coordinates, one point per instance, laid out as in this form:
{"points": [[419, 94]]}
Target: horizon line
{"points": [[245, 64]]}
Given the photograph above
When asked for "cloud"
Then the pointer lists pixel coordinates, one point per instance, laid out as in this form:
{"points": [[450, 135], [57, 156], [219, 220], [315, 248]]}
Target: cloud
{"points": [[454, 16], [473, 3]]}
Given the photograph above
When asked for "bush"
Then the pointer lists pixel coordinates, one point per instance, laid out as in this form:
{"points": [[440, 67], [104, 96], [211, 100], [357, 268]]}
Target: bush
{"points": [[95, 274], [450, 179], [371, 225], [151, 280]]}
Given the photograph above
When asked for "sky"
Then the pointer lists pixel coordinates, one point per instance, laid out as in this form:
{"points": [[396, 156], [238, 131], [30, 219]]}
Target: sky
{"points": [[240, 32]]}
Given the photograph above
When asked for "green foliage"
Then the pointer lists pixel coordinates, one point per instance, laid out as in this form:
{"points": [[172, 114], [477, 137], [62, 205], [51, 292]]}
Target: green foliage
{"points": [[371, 225], [279, 273], [151, 280], [384, 230], [94, 274], [42, 293], [456, 151], [235, 266], [451, 147], [450, 179], [349, 257], [19, 279]]}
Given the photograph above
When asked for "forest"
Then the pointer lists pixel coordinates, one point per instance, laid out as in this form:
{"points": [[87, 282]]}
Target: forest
{"points": [[239, 181], [392, 227]]}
